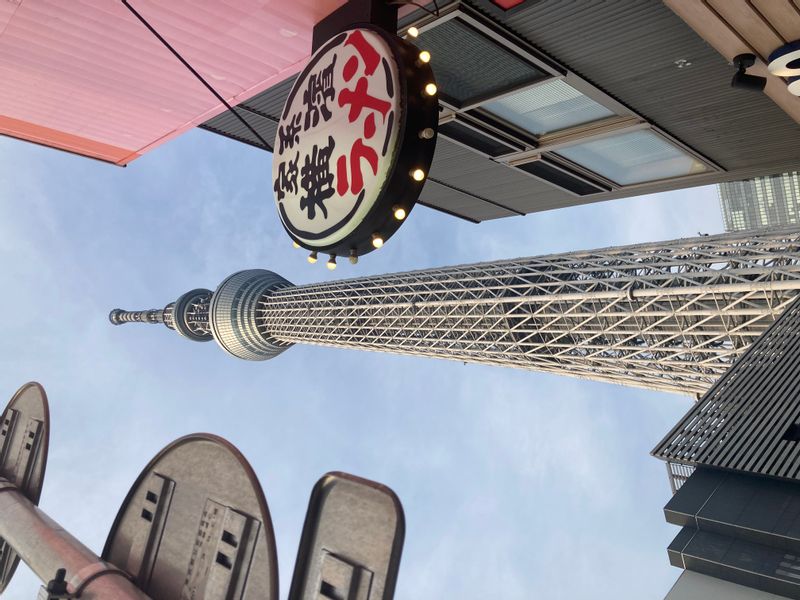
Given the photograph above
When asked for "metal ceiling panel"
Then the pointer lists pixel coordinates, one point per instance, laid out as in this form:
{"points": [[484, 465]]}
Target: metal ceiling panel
{"points": [[505, 186], [262, 112], [453, 201], [227, 124], [632, 51]]}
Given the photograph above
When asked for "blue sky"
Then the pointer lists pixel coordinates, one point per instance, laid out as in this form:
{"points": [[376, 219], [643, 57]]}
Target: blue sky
{"points": [[514, 484]]}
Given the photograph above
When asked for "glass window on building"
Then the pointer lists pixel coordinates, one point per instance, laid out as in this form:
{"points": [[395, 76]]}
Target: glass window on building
{"points": [[634, 157], [772, 201], [548, 107]]}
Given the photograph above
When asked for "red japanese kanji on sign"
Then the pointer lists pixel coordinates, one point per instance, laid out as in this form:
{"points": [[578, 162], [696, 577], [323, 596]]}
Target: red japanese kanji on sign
{"points": [[337, 135], [354, 141]]}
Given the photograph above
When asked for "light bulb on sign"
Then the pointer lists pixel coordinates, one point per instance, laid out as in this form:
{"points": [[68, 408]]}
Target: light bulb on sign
{"points": [[312, 258], [332, 262], [406, 151]]}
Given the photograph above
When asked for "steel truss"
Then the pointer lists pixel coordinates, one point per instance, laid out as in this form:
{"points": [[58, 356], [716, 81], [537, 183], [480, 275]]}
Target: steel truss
{"points": [[668, 316]]}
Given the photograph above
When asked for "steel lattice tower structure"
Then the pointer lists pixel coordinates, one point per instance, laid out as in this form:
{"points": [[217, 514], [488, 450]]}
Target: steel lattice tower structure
{"points": [[668, 316]]}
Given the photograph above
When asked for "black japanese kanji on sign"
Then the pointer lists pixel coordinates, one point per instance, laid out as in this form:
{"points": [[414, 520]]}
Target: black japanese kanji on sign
{"points": [[316, 95], [316, 179], [289, 135], [347, 139], [286, 181]]}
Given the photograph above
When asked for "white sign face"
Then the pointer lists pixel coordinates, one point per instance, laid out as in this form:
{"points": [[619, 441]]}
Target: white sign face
{"points": [[785, 61], [337, 138]]}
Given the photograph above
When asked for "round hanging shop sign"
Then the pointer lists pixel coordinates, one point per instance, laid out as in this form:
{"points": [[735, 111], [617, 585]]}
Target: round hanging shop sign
{"points": [[785, 61], [354, 142]]}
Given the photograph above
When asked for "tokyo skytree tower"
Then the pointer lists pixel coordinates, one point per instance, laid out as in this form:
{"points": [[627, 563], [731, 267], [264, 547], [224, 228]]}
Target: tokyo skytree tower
{"points": [[667, 316]]}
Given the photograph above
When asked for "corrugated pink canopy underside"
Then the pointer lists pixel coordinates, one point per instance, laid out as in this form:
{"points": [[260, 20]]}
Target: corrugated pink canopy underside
{"points": [[87, 77]]}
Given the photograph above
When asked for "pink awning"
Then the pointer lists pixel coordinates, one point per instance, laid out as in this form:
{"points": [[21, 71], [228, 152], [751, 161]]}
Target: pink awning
{"points": [[86, 76]]}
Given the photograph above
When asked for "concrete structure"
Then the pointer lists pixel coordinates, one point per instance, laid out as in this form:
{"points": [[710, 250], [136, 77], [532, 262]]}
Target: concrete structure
{"points": [[669, 316], [772, 201], [739, 528], [548, 105], [757, 27], [694, 586]]}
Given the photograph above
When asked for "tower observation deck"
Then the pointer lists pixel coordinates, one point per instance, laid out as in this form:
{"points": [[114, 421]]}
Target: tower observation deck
{"points": [[668, 316]]}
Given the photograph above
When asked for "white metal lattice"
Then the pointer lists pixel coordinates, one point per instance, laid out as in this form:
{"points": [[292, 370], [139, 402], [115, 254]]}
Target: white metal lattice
{"points": [[668, 316]]}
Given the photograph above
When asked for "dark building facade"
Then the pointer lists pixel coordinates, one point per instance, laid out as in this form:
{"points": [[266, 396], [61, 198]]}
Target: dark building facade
{"points": [[738, 490]]}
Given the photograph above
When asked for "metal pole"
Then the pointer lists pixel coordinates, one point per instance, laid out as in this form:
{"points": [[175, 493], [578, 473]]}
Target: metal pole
{"points": [[45, 547], [119, 316]]}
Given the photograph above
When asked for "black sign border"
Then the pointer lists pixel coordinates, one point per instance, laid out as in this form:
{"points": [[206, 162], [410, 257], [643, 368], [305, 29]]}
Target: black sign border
{"points": [[418, 111]]}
